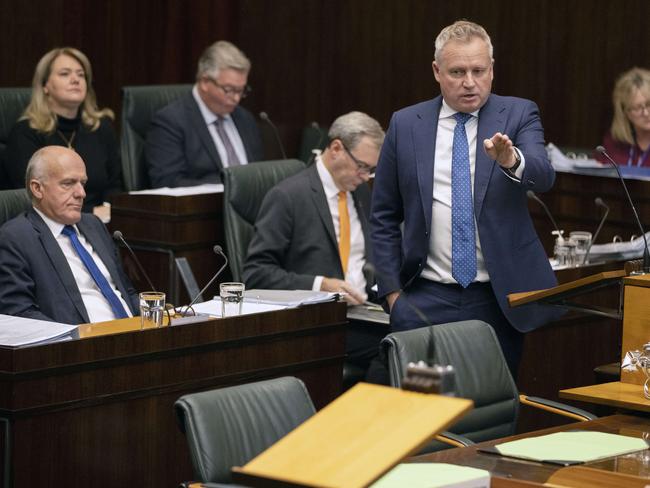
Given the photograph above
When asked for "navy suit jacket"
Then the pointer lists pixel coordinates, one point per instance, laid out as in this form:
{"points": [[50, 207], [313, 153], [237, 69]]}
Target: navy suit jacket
{"points": [[35, 278], [180, 150], [403, 193], [294, 238]]}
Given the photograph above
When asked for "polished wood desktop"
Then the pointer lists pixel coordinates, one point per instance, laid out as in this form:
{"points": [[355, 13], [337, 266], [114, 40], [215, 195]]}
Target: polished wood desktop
{"points": [[98, 411], [626, 396], [630, 470]]}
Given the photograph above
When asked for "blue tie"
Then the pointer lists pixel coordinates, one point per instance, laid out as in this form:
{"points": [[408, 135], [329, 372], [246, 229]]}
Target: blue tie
{"points": [[94, 271], [463, 242]]}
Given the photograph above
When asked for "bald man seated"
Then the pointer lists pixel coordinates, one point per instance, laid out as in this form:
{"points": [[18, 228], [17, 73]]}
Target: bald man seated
{"points": [[57, 263]]}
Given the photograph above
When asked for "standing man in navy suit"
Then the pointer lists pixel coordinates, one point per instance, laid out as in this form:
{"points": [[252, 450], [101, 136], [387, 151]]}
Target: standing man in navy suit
{"points": [[57, 263], [454, 172], [192, 139]]}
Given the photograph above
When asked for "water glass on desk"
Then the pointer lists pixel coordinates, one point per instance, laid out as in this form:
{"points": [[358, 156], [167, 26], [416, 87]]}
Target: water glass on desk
{"points": [[232, 297], [152, 309]]}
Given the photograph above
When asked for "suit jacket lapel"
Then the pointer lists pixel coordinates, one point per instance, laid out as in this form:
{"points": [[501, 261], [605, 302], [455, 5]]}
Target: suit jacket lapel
{"points": [[361, 198], [320, 202], [198, 122], [59, 263], [491, 120], [424, 143]]}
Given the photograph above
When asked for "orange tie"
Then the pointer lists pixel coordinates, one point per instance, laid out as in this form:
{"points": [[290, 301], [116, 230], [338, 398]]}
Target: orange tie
{"points": [[344, 230]]}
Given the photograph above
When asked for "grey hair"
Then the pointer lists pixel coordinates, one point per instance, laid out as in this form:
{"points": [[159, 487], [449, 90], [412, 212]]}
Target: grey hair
{"points": [[219, 56], [37, 169], [352, 127], [464, 31]]}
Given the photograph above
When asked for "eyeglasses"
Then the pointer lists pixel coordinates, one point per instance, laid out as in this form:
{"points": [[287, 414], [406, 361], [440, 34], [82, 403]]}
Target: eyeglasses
{"points": [[231, 91], [639, 109], [364, 168]]}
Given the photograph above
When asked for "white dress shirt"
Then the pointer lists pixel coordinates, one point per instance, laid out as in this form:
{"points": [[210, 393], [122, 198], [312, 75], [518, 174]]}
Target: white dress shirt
{"points": [[438, 265], [97, 306], [228, 125], [357, 258]]}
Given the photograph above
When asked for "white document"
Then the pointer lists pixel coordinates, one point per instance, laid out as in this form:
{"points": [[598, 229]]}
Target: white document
{"points": [[182, 190], [18, 331], [563, 163], [213, 307], [289, 298]]}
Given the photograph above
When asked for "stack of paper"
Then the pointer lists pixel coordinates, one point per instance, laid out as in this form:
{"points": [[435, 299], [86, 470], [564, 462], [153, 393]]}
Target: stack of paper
{"points": [[20, 332], [288, 298], [182, 191]]}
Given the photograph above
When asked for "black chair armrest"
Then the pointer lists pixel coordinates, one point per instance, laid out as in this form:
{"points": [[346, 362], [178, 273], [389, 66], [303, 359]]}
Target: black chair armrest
{"points": [[557, 407], [455, 440]]}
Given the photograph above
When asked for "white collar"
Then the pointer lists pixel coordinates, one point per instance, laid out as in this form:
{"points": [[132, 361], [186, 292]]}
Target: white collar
{"points": [[446, 111], [209, 116], [326, 179], [55, 227]]}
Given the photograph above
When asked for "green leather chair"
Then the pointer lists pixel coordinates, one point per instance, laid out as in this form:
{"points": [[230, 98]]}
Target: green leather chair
{"points": [[12, 203], [313, 137], [139, 104], [12, 104], [230, 426], [481, 374], [244, 189]]}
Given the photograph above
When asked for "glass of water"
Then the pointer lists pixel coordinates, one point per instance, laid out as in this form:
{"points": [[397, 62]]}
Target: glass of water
{"points": [[152, 309], [232, 297]]}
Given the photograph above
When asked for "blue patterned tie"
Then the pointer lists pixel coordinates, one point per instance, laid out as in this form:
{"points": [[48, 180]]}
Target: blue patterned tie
{"points": [[463, 241], [94, 271]]}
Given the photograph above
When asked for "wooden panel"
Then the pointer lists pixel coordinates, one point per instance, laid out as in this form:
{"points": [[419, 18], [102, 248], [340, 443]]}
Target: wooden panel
{"points": [[636, 326], [627, 396]]}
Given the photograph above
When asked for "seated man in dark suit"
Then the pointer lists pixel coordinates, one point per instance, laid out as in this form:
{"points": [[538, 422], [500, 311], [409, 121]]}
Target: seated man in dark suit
{"points": [[57, 263], [312, 230], [192, 139]]}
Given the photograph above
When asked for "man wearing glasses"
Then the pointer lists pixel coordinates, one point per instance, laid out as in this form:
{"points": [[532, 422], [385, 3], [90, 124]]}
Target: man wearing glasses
{"points": [[192, 139], [312, 230]]}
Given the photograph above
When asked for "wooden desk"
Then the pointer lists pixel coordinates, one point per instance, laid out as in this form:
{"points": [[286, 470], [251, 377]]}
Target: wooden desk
{"points": [[161, 228], [630, 470], [99, 411], [627, 396]]}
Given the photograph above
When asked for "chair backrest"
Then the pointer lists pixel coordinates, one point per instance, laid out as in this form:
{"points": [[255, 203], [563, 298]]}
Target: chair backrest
{"points": [[313, 137], [482, 374], [139, 104], [12, 203], [244, 189], [230, 426], [12, 104]]}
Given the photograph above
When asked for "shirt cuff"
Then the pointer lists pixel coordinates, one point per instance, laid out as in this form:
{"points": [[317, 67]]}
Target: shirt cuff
{"points": [[516, 175], [318, 281]]}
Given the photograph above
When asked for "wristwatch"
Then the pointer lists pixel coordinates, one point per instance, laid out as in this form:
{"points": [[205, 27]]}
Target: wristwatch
{"points": [[513, 168]]}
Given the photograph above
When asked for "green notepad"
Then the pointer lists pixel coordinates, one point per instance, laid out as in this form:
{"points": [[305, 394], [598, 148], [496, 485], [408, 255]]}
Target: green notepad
{"points": [[433, 475], [573, 447]]}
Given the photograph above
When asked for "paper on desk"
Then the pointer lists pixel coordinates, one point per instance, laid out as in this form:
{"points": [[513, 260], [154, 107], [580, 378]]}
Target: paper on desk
{"points": [[289, 298], [433, 475], [182, 191], [213, 307], [571, 447], [19, 331]]}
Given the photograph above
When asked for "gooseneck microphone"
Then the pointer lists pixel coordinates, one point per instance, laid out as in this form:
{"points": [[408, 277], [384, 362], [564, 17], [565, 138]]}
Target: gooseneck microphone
{"points": [[217, 250], [598, 201], [117, 235], [646, 255], [265, 117], [531, 194]]}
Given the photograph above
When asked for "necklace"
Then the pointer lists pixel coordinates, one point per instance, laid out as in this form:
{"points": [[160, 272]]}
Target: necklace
{"points": [[67, 141]]}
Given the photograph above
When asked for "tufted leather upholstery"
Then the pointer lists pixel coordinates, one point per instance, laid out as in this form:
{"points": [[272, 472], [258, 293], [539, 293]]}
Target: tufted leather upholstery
{"points": [[482, 375], [139, 104], [244, 189], [230, 426]]}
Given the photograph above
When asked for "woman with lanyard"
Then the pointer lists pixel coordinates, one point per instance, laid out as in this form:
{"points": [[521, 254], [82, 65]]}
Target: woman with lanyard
{"points": [[628, 141]]}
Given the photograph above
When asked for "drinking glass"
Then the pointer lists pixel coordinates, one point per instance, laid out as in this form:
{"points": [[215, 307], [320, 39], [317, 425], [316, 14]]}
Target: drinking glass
{"points": [[152, 309], [232, 297]]}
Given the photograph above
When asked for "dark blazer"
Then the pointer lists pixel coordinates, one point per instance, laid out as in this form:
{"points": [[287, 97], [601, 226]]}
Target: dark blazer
{"points": [[35, 278], [180, 151], [403, 193], [294, 238]]}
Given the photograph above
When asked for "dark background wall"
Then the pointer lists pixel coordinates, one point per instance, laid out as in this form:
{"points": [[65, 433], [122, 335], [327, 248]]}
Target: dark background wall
{"points": [[315, 59]]}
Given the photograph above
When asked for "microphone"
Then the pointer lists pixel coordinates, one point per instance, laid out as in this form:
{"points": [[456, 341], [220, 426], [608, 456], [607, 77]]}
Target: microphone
{"points": [[370, 270], [117, 235], [531, 194], [217, 250], [598, 201], [265, 117], [646, 256]]}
